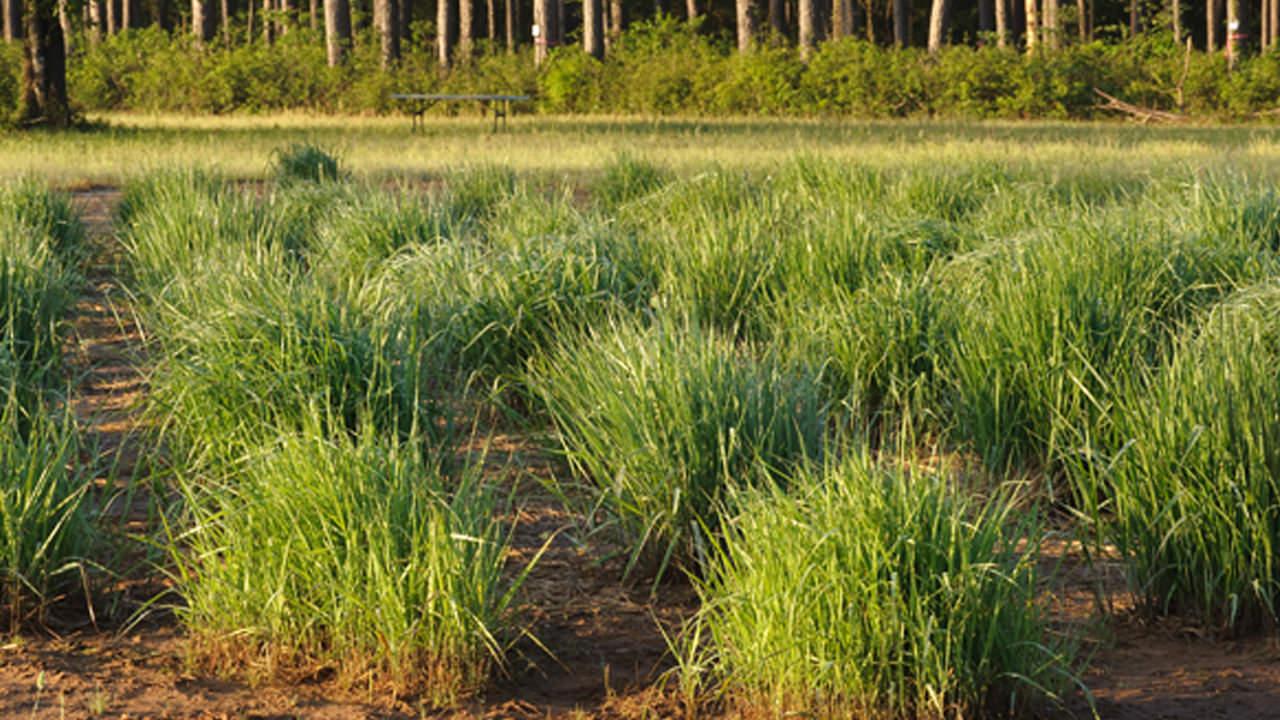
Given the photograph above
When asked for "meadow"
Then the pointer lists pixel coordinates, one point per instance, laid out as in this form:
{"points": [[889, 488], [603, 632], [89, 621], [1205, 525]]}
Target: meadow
{"points": [[840, 387]]}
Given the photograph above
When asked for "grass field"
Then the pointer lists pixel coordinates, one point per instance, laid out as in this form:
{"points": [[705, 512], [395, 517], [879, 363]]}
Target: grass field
{"points": [[843, 382]]}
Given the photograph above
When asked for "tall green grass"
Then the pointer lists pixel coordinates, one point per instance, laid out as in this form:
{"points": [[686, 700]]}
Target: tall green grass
{"points": [[662, 421], [866, 591], [1187, 485], [350, 552]]}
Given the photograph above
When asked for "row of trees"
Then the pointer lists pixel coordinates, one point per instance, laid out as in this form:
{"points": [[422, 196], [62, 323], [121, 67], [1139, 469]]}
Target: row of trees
{"points": [[460, 28]]}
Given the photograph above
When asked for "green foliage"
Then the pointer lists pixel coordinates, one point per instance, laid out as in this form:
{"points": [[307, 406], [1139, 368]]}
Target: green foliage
{"points": [[874, 592], [305, 162], [662, 421], [1188, 485], [353, 551], [10, 80]]}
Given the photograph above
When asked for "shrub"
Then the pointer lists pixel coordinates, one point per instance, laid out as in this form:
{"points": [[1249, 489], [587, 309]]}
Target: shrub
{"points": [[304, 162], [866, 591]]}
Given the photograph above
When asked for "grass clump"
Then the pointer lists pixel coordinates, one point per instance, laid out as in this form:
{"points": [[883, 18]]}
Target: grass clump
{"points": [[305, 163], [865, 591], [45, 529], [661, 421], [1190, 489], [352, 552]]}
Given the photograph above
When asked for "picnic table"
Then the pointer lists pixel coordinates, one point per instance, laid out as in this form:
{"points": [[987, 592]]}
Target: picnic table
{"points": [[419, 103]]}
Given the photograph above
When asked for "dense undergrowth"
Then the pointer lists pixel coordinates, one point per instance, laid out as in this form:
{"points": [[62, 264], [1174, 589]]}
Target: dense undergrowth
{"points": [[668, 67], [837, 398]]}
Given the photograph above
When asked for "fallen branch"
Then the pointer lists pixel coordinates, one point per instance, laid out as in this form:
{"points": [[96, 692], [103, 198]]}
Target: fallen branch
{"points": [[1141, 114]]}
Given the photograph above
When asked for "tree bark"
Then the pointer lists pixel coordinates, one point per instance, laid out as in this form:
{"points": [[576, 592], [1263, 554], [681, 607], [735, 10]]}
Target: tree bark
{"points": [[1082, 21], [337, 30], [509, 18], [1002, 22], [616, 22], [490, 20], [807, 27], [841, 19], [746, 24], [225, 19], [64, 23], [313, 15], [1050, 29], [201, 21], [268, 33], [690, 9], [937, 24], [1133, 18], [1033, 26], [1274, 24], [285, 17], [384, 21], [94, 8], [12, 20], [444, 32], [112, 26], [466, 28], [126, 14], [1211, 25], [44, 67], [1233, 32], [593, 28], [542, 15], [902, 23]]}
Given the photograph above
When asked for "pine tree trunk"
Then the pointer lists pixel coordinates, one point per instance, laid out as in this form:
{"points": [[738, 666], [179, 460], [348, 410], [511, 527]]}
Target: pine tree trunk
{"points": [[1050, 29], [44, 67], [225, 18], [64, 23], [126, 14], [593, 28], [201, 25], [466, 28], [937, 24], [690, 9], [840, 19], [94, 8], [12, 19], [337, 30], [1233, 32], [1082, 21], [267, 21], [286, 18], [1002, 22], [1211, 26], [1033, 26], [509, 18], [902, 23], [746, 24], [542, 12], [1133, 18], [1273, 9], [384, 22], [490, 21], [112, 26], [444, 32], [615, 22], [807, 27]]}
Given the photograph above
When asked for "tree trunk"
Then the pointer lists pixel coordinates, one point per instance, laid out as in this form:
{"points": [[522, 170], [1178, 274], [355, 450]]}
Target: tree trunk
{"points": [[285, 18], [1082, 21], [94, 8], [778, 17], [1033, 26], [1133, 18], [1264, 18], [112, 26], [1234, 31], [937, 24], [841, 19], [313, 15], [690, 9], [225, 19], [1049, 31], [807, 27], [1002, 22], [201, 21], [444, 32], [64, 23], [12, 20], [490, 21], [1274, 23], [466, 28], [509, 18], [126, 14], [542, 13], [593, 28], [616, 21], [337, 30], [44, 67], [746, 24], [267, 21], [384, 22], [1211, 26], [902, 23]]}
